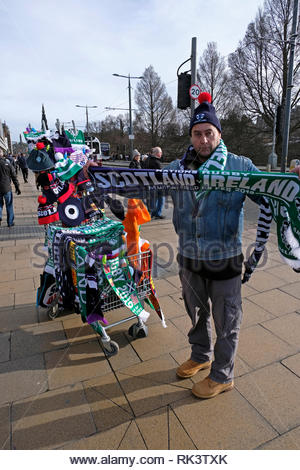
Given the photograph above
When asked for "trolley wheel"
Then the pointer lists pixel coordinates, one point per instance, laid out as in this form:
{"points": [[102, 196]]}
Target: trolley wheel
{"points": [[53, 311], [138, 331], [111, 348]]}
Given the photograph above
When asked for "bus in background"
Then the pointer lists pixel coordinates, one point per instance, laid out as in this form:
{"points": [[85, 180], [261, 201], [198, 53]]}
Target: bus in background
{"points": [[105, 150]]}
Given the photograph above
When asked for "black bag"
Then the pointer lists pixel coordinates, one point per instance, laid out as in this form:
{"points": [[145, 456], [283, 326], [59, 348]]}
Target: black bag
{"points": [[47, 292]]}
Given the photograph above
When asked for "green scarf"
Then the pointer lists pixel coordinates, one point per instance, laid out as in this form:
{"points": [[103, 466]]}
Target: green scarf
{"points": [[281, 190]]}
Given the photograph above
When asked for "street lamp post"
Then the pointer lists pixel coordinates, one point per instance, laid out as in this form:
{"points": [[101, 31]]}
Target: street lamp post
{"points": [[87, 118], [130, 133]]}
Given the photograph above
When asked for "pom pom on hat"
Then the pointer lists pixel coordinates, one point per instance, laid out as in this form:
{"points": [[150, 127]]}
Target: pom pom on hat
{"points": [[40, 145], [42, 199], [204, 96]]}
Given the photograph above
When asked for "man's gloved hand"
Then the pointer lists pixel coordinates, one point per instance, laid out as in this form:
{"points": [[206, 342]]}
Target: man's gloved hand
{"points": [[251, 264], [18, 191]]}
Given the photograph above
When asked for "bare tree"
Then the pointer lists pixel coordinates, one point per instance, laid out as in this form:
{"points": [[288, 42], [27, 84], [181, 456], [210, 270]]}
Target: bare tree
{"points": [[259, 66], [154, 105], [213, 77]]}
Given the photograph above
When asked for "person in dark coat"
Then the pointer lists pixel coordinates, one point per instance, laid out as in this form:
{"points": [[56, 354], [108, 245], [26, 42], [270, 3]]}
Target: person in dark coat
{"points": [[7, 174], [136, 160], [23, 166], [156, 199]]}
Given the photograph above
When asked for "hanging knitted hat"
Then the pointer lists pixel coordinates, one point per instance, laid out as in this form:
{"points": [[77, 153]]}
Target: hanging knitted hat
{"points": [[47, 213], [205, 112], [71, 212], [39, 160], [66, 168], [56, 190], [61, 143]]}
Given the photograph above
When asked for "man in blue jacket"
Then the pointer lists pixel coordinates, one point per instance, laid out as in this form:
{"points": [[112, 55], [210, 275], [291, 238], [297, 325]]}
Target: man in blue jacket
{"points": [[210, 257]]}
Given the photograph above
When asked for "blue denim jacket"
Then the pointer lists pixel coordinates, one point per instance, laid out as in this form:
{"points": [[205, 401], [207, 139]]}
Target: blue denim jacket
{"points": [[211, 228]]}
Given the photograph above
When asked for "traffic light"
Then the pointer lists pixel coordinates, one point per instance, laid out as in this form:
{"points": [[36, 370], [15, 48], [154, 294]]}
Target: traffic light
{"points": [[183, 96]]}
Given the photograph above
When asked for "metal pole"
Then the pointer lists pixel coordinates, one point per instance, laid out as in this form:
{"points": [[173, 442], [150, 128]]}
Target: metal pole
{"points": [[287, 114], [87, 120], [130, 121], [193, 70]]}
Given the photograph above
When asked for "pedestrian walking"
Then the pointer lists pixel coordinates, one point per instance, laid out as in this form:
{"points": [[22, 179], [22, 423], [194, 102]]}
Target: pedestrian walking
{"points": [[136, 157], [156, 199], [22, 163], [7, 174]]}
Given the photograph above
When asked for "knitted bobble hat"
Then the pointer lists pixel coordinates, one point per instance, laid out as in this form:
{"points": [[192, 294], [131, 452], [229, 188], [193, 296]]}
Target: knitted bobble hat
{"points": [[47, 213], [205, 112]]}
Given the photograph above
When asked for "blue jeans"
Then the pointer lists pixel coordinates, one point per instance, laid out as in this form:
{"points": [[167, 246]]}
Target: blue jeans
{"points": [[8, 198], [156, 204]]}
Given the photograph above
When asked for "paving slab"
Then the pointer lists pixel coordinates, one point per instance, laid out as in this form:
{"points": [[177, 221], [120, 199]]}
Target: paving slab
{"points": [[258, 347], [285, 273], [286, 328], [276, 302], [5, 427], [145, 395], [76, 363], [127, 355], [7, 300], [178, 436], [160, 370], [163, 287], [76, 331], [51, 419], [14, 317], [108, 404], [274, 391], [28, 341], [4, 347], [171, 308], [26, 298], [288, 441], [110, 439], [247, 290], [263, 281], [22, 378], [7, 275], [212, 424], [253, 314], [292, 289], [159, 341], [132, 439], [293, 363], [154, 427]]}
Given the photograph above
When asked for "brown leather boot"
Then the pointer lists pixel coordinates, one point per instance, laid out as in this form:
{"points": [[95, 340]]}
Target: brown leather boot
{"points": [[208, 388], [190, 368]]}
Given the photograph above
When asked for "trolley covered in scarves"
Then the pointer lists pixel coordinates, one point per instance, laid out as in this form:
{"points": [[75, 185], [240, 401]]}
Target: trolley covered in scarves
{"points": [[89, 270]]}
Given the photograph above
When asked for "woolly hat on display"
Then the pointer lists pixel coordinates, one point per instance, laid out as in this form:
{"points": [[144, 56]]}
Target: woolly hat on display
{"points": [[205, 112], [39, 160], [71, 212], [47, 213], [66, 168]]}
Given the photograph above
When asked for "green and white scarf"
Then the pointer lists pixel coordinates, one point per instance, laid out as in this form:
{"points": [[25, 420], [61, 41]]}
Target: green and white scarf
{"points": [[281, 190]]}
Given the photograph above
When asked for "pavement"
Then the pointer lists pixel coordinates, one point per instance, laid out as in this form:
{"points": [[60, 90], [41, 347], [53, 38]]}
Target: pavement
{"points": [[59, 391]]}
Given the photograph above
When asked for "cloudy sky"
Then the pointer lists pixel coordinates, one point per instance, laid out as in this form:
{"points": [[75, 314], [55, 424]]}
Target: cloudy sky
{"points": [[63, 53]]}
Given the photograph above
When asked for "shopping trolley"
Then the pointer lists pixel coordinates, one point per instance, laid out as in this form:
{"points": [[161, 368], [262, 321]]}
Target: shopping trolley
{"points": [[139, 265]]}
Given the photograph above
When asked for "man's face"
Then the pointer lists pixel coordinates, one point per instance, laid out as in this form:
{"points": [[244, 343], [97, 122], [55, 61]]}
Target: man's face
{"points": [[205, 139]]}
